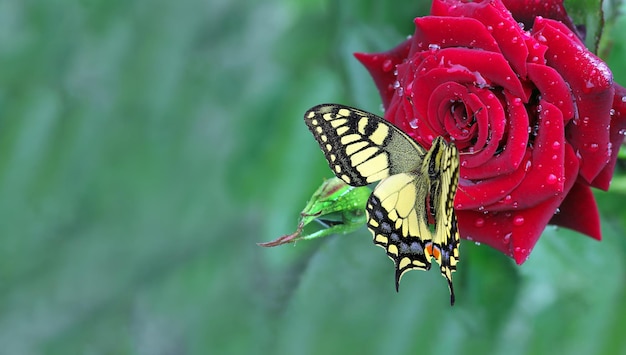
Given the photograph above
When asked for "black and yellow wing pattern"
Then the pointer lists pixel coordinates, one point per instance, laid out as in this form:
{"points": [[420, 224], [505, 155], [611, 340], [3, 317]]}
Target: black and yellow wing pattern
{"points": [[410, 213]]}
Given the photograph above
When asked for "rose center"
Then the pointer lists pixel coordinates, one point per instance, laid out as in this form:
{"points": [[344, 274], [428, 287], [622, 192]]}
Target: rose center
{"points": [[460, 122]]}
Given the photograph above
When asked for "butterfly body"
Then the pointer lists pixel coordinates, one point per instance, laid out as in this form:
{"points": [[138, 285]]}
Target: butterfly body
{"points": [[410, 213]]}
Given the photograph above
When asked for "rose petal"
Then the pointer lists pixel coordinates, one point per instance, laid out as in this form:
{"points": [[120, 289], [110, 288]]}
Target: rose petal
{"points": [[487, 68], [516, 233], [545, 173], [490, 130], [446, 32], [579, 212], [475, 195], [498, 20], [618, 129], [553, 88], [525, 11], [382, 68], [592, 85]]}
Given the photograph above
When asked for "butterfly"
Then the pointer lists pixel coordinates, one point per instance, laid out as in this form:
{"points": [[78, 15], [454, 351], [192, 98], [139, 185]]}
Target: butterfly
{"points": [[410, 213]]}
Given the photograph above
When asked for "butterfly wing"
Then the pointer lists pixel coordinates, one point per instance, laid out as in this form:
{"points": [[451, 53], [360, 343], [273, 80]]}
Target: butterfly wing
{"points": [[399, 222], [361, 147], [417, 186], [441, 164]]}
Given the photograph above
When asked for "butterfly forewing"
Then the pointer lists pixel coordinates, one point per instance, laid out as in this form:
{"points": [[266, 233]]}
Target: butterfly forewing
{"points": [[361, 147]]}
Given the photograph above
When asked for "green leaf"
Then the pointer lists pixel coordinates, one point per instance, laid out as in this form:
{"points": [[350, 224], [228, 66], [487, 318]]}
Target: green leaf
{"points": [[590, 14]]}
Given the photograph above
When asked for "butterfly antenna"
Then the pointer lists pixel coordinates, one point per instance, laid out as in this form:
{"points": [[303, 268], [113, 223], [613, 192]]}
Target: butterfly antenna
{"points": [[465, 192]]}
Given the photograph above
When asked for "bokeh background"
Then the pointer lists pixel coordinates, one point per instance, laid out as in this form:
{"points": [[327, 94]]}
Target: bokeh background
{"points": [[147, 146]]}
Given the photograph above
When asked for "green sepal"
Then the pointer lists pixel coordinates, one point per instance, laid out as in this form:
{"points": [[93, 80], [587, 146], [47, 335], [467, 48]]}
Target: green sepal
{"points": [[338, 207]]}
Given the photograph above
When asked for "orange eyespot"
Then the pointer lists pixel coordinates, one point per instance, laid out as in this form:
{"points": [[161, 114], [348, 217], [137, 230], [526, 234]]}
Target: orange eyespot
{"points": [[433, 250]]}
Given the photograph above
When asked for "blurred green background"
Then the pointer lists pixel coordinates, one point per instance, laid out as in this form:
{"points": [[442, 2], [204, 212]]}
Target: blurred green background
{"points": [[146, 146]]}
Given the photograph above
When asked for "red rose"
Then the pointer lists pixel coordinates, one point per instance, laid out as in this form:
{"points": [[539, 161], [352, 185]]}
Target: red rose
{"points": [[536, 116]]}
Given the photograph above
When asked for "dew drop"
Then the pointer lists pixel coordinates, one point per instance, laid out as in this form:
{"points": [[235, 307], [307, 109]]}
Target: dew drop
{"points": [[518, 220], [528, 165], [479, 222], [507, 237], [387, 65], [551, 179], [556, 145], [477, 243], [593, 147], [623, 98], [413, 123], [433, 47]]}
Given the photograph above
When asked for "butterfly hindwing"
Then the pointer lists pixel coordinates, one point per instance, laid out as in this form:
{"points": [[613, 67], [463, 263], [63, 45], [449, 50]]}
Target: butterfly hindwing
{"points": [[399, 222], [441, 164], [361, 147]]}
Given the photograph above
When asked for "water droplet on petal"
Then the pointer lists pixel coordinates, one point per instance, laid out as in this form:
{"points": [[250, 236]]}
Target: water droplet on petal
{"points": [[479, 222], [551, 179], [387, 65], [433, 47], [507, 237], [413, 123], [586, 120], [518, 220]]}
